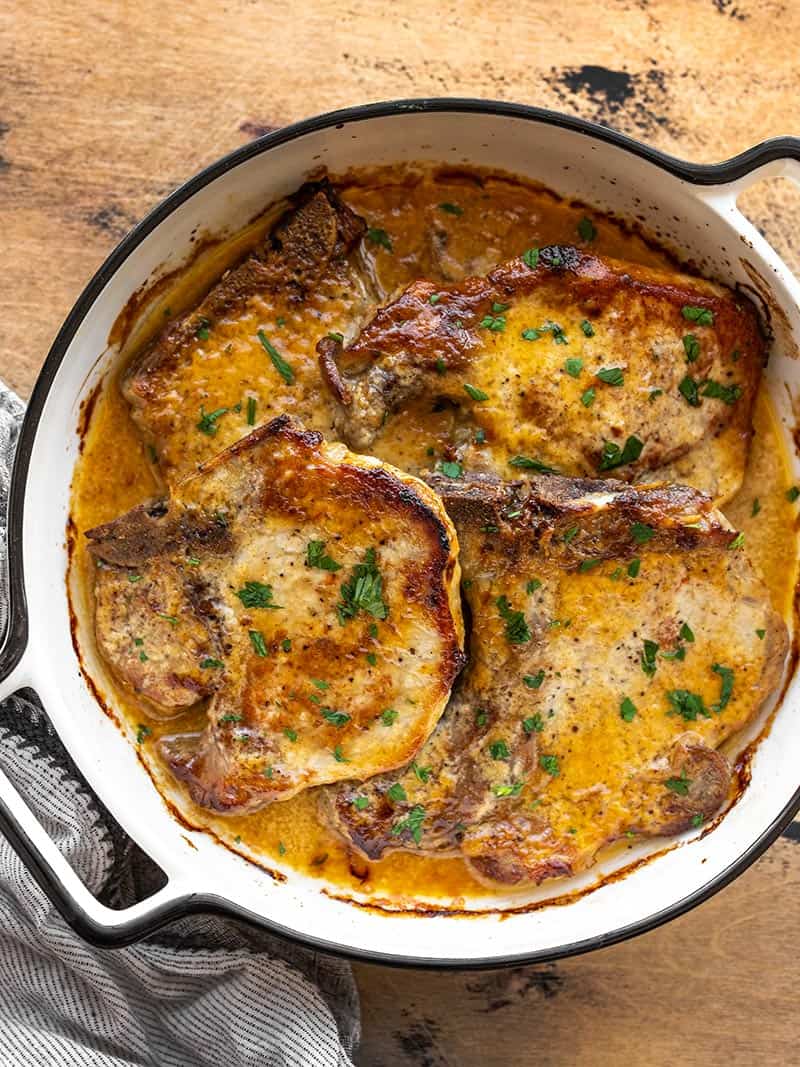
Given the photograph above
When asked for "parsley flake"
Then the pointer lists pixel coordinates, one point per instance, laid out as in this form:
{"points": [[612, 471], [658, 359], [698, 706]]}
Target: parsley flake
{"points": [[257, 595], [363, 591], [702, 316], [278, 362], [316, 557], [517, 629], [380, 237]]}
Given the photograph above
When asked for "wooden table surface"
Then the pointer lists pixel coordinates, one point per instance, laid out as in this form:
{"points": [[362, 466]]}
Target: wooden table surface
{"points": [[107, 106]]}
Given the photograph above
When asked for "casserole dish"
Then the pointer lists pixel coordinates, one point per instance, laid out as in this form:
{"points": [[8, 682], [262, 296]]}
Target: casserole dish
{"points": [[692, 208]]}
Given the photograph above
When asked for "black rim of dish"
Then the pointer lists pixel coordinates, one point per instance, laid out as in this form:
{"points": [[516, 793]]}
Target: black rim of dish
{"points": [[130, 931]]}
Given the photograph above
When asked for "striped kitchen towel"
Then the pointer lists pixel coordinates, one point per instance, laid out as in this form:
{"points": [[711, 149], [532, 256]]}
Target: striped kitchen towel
{"points": [[206, 992]]}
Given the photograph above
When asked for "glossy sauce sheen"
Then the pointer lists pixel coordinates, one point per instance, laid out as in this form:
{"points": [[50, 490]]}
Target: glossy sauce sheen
{"points": [[494, 220]]}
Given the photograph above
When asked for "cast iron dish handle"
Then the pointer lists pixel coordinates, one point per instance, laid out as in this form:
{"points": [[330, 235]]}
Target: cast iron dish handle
{"points": [[94, 921]]}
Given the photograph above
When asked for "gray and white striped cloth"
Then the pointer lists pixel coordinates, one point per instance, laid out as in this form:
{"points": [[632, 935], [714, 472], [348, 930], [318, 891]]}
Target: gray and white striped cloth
{"points": [[208, 992]]}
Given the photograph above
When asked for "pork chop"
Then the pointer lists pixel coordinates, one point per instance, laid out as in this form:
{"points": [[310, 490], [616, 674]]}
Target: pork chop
{"points": [[311, 594], [244, 355], [618, 636], [565, 361]]}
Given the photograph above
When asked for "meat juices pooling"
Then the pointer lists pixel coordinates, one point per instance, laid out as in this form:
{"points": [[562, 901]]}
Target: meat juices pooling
{"points": [[491, 223]]}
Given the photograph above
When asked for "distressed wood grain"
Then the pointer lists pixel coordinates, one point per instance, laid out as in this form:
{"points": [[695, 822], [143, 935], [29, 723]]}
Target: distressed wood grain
{"points": [[106, 107]]}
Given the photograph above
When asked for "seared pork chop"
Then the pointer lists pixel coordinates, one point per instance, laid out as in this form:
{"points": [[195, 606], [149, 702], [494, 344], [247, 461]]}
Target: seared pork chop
{"points": [[241, 357], [561, 360], [618, 636], [312, 594]]}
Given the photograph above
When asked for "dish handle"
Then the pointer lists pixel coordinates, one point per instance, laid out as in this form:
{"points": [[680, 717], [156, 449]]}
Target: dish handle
{"points": [[93, 921]]}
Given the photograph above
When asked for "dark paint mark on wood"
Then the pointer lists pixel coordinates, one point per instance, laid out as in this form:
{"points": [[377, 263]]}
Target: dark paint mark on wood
{"points": [[502, 988], [726, 7], [112, 220], [639, 100], [256, 129], [419, 1043]]}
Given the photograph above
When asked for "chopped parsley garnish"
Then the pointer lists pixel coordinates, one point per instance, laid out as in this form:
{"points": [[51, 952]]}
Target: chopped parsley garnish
{"points": [[134, 578], [396, 793], [642, 533], [475, 394], [434, 298], [611, 375], [792, 494], [451, 209], [686, 633], [679, 785], [142, 732], [697, 820], [613, 456], [755, 508], [702, 316], [440, 365], [230, 717], [589, 565], [761, 634], [573, 367], [286, 644], [533, 585], [688, 705], [481, 718], [531, 258], [389, 716], [339, 755], [654, 394], [517, 630], [152, 454], [588, 329], [494, 323], [728, 394], [480, 436], [202, 329], [422, 773], [648, 658], [533, 681], [363, 591], [380, 237], [550, 765], [586, 229], [688, 389], [499, 750], [512, 790], [691, 347], [338, 337], [209, 663], [737, 542], [289, 733], [316, 557], [587, 399], [335, 718], [726, 677], [497, 307], [257, 641], [627, 709], [169, 618], [633, 568], [207, 422], [571, 534], [278, 362], [360, 803], [257, 595], [251, 411], [526, 463], [534, 724], [372, 659], [450, 469], [411, 823], [281, 848], [530, 334]]}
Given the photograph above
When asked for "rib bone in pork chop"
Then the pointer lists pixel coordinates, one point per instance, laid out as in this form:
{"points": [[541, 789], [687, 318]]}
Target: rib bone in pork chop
{"points": [[618, 636], [568, 362], [311, 594]]}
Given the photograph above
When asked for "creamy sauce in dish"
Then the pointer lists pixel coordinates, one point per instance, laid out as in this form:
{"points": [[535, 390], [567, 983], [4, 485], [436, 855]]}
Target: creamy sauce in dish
{"points": [[450, 224]]}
